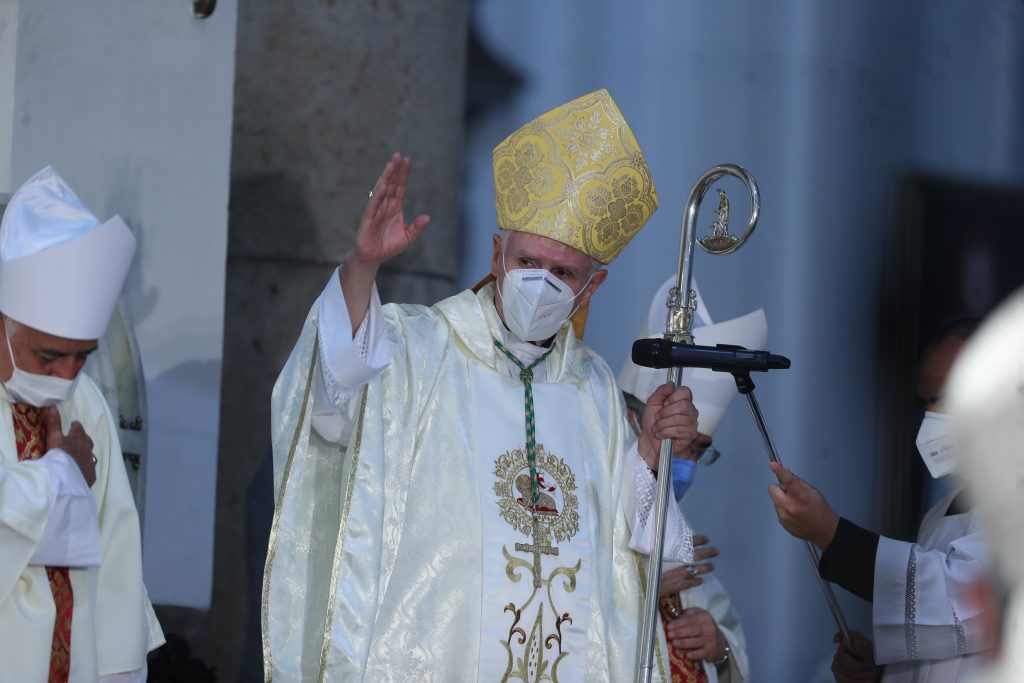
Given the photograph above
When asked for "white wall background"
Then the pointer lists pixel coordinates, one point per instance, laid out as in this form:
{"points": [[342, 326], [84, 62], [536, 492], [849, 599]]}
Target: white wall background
{"points": [[132, 103], [827, 104], [8, 43]]}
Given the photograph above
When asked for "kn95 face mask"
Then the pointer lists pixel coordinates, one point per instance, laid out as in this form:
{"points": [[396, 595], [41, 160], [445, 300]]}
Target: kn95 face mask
{"points": [[934, 445], [535, 302]]}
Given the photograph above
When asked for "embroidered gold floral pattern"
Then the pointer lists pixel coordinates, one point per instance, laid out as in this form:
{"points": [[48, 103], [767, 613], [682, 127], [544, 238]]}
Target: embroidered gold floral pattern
{"points": [[523, 175], [557, 227], [618, 210], [546, 172], [529, 656], [588, 140], [534, 654]]}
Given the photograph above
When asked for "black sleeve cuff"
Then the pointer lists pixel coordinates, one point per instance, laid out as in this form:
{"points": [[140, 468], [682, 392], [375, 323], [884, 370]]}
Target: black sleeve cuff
{"points": [[849, 560]]}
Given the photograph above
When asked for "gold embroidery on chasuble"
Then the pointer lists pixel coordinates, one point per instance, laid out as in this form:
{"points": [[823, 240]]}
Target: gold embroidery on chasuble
{"points": [[534, 645]]}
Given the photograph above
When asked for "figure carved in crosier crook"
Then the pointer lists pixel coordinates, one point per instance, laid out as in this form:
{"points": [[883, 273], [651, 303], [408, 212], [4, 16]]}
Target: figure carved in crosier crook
{"points": [[679, 325], [720, 228]]}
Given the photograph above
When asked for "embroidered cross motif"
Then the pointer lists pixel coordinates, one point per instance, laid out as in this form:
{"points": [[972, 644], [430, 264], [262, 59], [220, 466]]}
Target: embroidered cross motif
{"points": [[538, 547]]}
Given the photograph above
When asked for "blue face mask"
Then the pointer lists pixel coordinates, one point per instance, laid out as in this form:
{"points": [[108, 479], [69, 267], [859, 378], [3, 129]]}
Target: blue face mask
{"points": [[682, 475]]}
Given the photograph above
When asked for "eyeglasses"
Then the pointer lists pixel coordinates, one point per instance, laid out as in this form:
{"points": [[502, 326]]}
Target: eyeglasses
{"points": [[704, 455]]}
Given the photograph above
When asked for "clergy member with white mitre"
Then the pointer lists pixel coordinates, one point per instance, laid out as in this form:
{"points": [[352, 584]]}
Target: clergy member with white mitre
{"points": [[704, 632], [72, 603], [459, 495]]}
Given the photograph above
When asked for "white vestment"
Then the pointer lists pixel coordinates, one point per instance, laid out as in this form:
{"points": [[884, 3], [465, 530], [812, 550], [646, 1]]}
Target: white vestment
{"points": [[409, 552], [1008, 666], [49, 517], [926, 628], [712, 597]]}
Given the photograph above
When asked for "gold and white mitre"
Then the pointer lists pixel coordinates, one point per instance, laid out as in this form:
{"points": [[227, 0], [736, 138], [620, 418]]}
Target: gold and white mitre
{"points": [[61, 270], [576, 175]]}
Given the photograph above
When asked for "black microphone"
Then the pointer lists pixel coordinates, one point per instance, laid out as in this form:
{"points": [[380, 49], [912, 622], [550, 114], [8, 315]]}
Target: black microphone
{"points": [[662, 353]]}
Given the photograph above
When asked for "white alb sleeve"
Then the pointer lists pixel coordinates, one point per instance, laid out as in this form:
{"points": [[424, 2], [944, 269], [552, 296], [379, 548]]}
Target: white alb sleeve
{"points": [[72, 536], [346, 362], [922, 606], [678, 545]]}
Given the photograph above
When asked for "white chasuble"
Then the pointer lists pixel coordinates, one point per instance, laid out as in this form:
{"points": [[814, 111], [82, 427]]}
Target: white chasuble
{"points": [[536, 557], [405, 553], [113, 625]]}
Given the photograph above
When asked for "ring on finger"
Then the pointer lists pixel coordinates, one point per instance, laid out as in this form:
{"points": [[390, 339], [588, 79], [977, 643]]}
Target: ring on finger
{"points": [[94, 460], [370, 194]]}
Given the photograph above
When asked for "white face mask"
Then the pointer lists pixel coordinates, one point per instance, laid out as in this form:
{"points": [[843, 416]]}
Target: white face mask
{"points": [[535, 302], [934, 445], [37, 390]]}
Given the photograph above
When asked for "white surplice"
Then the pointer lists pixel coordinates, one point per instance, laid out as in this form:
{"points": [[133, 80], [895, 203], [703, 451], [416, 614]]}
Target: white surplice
{"points": [[50, 517], [410, 553], [712, 597], [926, 629]]}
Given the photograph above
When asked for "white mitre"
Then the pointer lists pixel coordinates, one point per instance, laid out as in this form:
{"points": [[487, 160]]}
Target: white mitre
{"points": [[984, 398], [713, 392], [61, 270]]}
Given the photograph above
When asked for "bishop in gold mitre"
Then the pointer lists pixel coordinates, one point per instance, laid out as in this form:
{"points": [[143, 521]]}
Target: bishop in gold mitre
{"points": [[459, 496]]}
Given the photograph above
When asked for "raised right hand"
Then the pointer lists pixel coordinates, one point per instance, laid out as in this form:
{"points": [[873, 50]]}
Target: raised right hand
{"points": [[76, 443], [383, 232]]}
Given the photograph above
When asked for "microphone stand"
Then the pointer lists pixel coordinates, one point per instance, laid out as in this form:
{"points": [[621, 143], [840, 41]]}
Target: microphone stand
{"points": [[745, 386]]}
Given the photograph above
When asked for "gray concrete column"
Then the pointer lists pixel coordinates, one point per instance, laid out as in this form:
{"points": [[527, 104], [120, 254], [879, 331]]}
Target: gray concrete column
{"points": [[324, 93]]}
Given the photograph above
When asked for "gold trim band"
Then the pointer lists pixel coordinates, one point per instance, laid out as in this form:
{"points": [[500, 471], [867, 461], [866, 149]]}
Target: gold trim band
{"points": [[278, 504], [339, 546], [642, 576]]}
